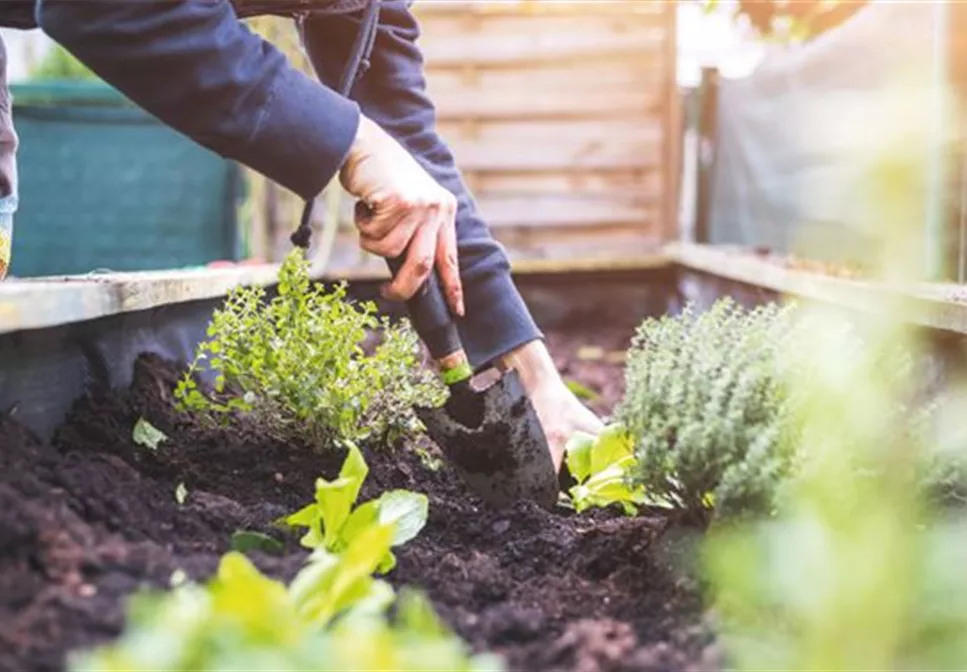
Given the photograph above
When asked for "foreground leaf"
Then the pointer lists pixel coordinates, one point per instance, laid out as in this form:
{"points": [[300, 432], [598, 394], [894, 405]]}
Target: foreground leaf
{"points": [[147, 435]]}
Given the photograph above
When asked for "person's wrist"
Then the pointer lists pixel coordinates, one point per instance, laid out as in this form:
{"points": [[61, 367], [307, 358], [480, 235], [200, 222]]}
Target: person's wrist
{"points": [[533, 364]]}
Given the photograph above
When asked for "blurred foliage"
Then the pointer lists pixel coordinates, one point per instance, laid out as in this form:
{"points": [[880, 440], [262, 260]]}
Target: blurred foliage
{"points": [[790, 20], [60, 64], [858, 570]]}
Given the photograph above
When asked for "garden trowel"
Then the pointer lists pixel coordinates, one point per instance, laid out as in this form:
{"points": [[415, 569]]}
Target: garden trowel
{"points": [[488, 428]]}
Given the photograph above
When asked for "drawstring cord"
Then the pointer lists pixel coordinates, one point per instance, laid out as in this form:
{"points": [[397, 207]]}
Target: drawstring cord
{"points": [[356, 67]]}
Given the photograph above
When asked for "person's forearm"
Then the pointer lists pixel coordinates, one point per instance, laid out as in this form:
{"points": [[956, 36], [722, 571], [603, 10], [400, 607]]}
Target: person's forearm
{"points": [[193, 65]]}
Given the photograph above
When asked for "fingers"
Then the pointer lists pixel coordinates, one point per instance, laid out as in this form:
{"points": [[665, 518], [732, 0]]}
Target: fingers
{"points": [[419, 262], [447, 263]]}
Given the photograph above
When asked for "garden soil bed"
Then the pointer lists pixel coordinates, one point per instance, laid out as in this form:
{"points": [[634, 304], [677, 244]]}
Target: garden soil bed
{"points": [[92, 517]]}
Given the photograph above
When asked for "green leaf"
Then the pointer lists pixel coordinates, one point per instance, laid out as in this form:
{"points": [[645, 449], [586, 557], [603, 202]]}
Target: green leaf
{"points": [[181, 493], [145, 434], [578, 455], [612, 445], [581, 391], [415, 613], [365, 516], [246, 540], [407, 511], [331, 584]]}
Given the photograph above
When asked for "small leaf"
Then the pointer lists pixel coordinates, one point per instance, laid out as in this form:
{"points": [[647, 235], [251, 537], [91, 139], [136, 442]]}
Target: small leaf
{"points": [[247, 540], [145, 434], [581, 391], [407, 510], [612, 445], [578, 455], [181, 493]]}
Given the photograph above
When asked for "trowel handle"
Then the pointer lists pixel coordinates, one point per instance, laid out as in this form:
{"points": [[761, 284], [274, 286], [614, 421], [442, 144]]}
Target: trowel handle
{"points": [[433, 321]]}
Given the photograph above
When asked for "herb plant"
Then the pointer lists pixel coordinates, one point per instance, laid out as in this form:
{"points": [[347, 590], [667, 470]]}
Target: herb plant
{"points": [[333, 524], [707, 410], [296, 362], [601, 466]]}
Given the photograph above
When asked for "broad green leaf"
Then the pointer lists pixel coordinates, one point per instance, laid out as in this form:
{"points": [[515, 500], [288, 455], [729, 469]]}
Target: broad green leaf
{"points": [[578, 455], [334, 501], [147, 435], [408, 511], [581, 391], [333, 584], [363, 517], [416, 614], [387, 564], [612, 445], [246, 540], [304, 517], [354, 469], [242, 593]]}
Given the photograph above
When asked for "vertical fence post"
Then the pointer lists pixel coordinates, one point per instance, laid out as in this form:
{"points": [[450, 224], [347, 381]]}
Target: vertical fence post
{"points": [[936, 206], [705, 154]]}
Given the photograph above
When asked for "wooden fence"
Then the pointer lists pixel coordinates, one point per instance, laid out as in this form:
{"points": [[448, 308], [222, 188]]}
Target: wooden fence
{"points": [[564, 120]]}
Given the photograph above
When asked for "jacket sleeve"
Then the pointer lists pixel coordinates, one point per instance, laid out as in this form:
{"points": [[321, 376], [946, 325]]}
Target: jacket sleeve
{"points": [[196, 67]]}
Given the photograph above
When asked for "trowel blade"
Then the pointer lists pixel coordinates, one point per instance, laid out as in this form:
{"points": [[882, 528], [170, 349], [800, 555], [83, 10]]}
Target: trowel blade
{"points": [[504, 458]]}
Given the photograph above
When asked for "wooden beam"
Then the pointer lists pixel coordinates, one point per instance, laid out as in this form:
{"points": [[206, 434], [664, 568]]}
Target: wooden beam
{"points": [[938, 306], [46, 302]]}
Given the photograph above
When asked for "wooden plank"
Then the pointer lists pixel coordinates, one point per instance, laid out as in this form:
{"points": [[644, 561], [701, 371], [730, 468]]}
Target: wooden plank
{"points": [[501, 41], [555, 145], [530, 251], [33, 304], [646, 184], [925, 304], [462, 8], [565, 210], [673, 124], [523, 95]]}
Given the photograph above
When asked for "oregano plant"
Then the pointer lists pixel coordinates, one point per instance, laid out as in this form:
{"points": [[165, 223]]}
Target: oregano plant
{"points": [[296, 362]]}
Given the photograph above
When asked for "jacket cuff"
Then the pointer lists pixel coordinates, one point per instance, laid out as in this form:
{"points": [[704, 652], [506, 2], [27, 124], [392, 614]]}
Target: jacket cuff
{"points": [[303, 136], [497, 319]]}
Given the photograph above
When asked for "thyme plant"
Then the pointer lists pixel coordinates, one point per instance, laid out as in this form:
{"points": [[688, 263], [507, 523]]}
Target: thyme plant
{"points": [[296, 363], [707, 410]]}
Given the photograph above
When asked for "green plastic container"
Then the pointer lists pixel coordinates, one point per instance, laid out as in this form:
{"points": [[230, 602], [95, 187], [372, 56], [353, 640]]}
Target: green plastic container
{"points": [[105, 186]]}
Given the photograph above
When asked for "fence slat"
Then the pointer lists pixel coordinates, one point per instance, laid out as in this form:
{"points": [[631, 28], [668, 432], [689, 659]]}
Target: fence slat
{"points": [[502, 41], [555, 145]]}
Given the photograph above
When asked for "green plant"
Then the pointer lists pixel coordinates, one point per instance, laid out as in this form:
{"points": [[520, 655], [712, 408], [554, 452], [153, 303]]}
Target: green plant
{"points": [[296, 363], [858, 569], [242, 620], [60, 64], [333, 524], [600, 465], [706, 408]]}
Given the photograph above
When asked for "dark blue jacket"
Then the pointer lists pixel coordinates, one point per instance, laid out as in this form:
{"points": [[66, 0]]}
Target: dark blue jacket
{"points": [[195, 66]]}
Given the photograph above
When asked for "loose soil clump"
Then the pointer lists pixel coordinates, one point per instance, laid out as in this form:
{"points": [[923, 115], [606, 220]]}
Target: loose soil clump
{"points": [[93, 517]]}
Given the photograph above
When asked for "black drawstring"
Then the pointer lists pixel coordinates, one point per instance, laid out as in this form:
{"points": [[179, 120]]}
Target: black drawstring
{"points": [[356, 67]]}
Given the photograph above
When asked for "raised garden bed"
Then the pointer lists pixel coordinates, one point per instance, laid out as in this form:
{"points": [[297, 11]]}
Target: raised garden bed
{"points": [[94, 516]]}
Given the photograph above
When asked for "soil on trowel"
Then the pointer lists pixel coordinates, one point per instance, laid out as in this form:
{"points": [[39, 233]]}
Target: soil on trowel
{"points": [[93, 516]]}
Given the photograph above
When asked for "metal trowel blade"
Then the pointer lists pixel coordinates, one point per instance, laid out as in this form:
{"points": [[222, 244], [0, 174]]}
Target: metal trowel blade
{"points": [[493, 438]]}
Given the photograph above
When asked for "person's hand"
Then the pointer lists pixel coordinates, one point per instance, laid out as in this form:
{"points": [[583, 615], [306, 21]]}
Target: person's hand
{"points": [[406, 211], [560, 413]]}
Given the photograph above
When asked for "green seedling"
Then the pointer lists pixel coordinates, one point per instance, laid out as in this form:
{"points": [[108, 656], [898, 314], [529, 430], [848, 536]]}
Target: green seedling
{"points": [[181, 494], [147, 435], [247, 540], [601, 466], [333, 523], [333, 616]]}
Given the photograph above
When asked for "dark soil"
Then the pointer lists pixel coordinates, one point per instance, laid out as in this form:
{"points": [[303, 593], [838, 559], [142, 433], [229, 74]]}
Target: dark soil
{"points": [[93, 517]]}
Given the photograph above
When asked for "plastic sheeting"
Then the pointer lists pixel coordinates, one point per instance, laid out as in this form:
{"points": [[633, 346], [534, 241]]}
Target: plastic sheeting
{"points": [[796, 138]]}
